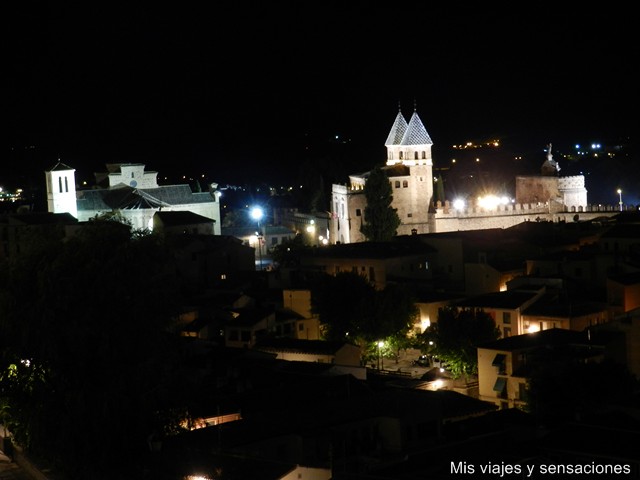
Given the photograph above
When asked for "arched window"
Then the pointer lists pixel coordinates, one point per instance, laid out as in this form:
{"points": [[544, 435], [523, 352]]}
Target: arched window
{"points": [[66, 184], [400, 155], [60, 184], [415, 155], [397, 183], [405, 184]]}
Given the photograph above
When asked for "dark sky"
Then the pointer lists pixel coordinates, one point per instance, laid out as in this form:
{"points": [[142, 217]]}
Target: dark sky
{"points": [[231, 88]]}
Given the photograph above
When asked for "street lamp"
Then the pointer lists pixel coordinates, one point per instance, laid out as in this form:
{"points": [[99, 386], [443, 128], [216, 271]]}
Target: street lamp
{"points": [[380, 359], [620, 195], [257, 214]]}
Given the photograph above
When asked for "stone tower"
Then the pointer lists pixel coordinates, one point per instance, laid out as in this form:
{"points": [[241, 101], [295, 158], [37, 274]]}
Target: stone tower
{"points": [[61, 189], [410, 170], [409, 167]]}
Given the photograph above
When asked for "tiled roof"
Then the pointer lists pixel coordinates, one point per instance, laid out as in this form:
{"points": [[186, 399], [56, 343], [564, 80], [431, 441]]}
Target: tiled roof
{"points": [[125, 197], [397, 131], [412, 133], [506, 299], [372, 250], [553, 337], [416, 134], [550, 305], [60, 166], [323, 347], [38, 218], [182, 218]]}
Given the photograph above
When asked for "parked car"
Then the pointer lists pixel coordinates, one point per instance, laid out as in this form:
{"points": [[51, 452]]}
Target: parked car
{"points": [[422, 361]]}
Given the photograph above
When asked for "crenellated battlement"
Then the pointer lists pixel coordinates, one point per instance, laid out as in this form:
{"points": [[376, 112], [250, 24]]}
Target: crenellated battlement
{"points": [[575, 181], [447, 210]]}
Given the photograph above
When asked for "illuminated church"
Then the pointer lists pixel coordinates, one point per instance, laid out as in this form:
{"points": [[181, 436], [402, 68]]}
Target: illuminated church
{"points": [[130, 191], [409, 167]]}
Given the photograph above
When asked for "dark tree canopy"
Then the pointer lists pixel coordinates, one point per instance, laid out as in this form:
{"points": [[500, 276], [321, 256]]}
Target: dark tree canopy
{"points": [[381, 220], [351, 309], [87, 355], [344, 304], [562, 389], [456, 335]]}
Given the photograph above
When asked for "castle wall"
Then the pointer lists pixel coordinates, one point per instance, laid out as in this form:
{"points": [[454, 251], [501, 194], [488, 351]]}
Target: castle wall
{"points": [[534, 189], [447, 219]]}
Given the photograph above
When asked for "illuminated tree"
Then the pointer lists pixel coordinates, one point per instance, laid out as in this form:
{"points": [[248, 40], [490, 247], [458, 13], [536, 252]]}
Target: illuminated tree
{"points": [[351, 309], [455, 336]]}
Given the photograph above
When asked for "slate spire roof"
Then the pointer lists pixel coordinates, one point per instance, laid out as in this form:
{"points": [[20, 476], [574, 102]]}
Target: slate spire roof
{"points": [[397, 131], [416, 134], [412, 133]]}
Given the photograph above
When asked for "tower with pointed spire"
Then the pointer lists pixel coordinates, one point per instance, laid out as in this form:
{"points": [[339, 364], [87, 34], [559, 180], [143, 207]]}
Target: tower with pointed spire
{"points": [[409, 167], [409, 146]]}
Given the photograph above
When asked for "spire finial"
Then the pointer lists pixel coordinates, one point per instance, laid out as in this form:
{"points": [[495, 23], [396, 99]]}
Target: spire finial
{"points": [[415, 105], [399, 107]]}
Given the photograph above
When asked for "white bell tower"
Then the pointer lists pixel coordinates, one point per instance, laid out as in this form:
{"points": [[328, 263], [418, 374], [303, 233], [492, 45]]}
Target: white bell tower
{"points": [[61, 189]]}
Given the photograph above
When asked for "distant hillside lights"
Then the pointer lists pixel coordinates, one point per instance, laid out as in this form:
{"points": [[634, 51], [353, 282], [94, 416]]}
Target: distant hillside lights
{"points": [[6, 196], [468, 145]]}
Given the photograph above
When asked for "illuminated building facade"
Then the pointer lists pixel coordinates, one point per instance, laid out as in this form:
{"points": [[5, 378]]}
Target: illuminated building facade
{"points": [[409, 167], [130, 191]]}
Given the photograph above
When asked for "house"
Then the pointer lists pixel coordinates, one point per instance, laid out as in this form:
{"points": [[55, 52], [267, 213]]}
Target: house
{"points": [[629, 324], [378, 262], [19, 230], [505, 308], [559, 310], [623, 293], [334, 422], [205, 261], [182, 222], [504, 365], [429, 304], [261, 239], [247, 325], [319, 351]]}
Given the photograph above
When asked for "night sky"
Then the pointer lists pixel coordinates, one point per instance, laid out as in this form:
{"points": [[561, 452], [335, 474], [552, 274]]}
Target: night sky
{"points": [[238, 90]]}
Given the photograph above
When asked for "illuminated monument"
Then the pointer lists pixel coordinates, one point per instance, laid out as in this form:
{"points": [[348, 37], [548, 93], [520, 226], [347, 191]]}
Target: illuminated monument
{"points": [[409, 167], [130, 191]]}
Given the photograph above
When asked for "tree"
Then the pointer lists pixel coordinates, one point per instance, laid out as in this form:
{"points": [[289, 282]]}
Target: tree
{"points": [[381, 220], [455, 336], [287, 253], [344, 304], [351, 309], [87, 349], [440, 190]]}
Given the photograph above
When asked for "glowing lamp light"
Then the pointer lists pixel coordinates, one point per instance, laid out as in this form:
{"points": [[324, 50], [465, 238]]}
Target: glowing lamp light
{"points": [[533, 329], [438, 384], [257, 213], [458, 204]]}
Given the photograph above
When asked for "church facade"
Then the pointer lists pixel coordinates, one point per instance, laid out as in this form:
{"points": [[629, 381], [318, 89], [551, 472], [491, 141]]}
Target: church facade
{"points": [[130, 191], [409, 167]]}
